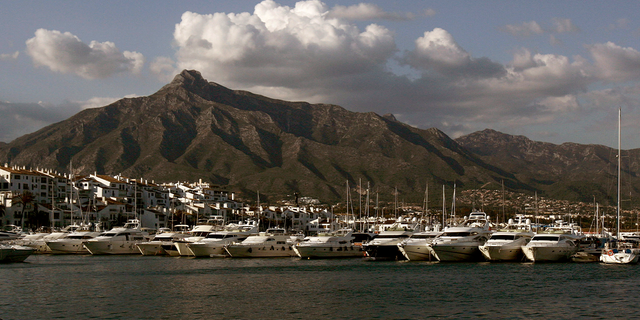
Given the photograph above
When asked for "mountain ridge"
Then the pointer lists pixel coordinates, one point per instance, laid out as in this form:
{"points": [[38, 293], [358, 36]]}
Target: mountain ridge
{"points": [[192, 128]]}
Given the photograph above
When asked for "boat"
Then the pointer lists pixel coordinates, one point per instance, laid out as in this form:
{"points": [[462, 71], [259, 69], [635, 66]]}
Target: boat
{"points": [[385, 245], [274, 242], [212, 245], [550, 247], [416, 248], [506, 244], [199, 232], [14, 253], [10, 232], [622, 253], [460, 243], [73, 243], [338, 244], [157, 245], [119, 240]]}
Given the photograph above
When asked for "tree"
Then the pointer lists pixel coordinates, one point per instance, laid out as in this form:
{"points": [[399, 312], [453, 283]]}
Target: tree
{"points": [[26, 199]]}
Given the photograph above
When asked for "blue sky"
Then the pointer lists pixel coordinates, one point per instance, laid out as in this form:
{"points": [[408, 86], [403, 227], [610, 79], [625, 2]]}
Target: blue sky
{"points": [[553, 71]]}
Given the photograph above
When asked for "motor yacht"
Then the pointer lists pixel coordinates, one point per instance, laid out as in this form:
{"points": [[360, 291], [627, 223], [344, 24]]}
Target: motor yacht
{"points": [[274, 242], [157, 245], [506, 244], [120, 240], [198, 233], [556, 243], [338, 244], [385, 245], [460, 243], [416, 248], [212, 245], [73, 243], [14, 253]]}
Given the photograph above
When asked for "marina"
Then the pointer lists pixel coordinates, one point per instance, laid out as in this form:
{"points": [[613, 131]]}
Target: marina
{"points": [[154, 287]]}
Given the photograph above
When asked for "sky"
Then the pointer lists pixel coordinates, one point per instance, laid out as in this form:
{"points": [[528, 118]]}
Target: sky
{"points": [[553, 71]]}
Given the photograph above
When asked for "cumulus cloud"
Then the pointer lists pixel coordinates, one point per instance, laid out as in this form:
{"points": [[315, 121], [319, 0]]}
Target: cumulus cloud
{"points": [[305, 53], [369, 11], [66, 53], [523, 30], [279, 46], [9, 56], [526, 29], [616, 63], [437, 50]]}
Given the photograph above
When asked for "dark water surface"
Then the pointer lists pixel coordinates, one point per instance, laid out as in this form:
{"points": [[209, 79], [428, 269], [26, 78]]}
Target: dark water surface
{"points": [[137, 287]]}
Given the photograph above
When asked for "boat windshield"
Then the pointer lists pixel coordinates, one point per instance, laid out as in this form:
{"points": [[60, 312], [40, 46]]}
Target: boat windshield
{"points": [[458, 234], [545, 238], [423, 236], [503, 237], [216, 236]]}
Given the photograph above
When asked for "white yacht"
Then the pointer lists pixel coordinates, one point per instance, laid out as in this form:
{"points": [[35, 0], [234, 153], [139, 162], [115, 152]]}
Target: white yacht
{"points": [[198, 233], [417, 247], [120, 240], [556, 243], [157, 245], [460, 243], [385, 245], [338, 244], [14, 253], [620, 255], [10, 232], [623, 253], [213, 244], [550, 247], [506, 244], [274, 242], [73, 243]]}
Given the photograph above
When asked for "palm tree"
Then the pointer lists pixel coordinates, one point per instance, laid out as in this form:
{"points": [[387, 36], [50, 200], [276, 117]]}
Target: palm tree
{"points": [[25, 199]]}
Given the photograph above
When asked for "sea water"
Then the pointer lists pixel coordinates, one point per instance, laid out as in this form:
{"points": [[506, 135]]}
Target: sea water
{"points": [[143, 287]]}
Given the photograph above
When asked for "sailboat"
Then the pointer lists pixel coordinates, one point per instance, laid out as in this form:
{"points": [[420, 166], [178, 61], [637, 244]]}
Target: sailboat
{"points": [[620, 254]]}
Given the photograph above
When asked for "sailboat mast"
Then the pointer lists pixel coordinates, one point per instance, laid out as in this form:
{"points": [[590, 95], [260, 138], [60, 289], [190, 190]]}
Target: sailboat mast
{"points": [[619, 148]]}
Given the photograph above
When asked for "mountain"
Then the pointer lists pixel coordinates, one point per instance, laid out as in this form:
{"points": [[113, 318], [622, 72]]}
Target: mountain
{"points": [[567, 171], [194, 129]]}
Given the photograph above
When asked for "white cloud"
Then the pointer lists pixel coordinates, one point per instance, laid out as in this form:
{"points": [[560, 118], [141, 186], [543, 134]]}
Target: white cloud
{"points": [[66, 53], [616, 63], [524, 30], [438, 51], [9, 56], [369, 11], [563, 25], [279, 46]]}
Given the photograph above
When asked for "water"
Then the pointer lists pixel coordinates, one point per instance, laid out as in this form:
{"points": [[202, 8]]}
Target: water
{"points": [[137, 287]]}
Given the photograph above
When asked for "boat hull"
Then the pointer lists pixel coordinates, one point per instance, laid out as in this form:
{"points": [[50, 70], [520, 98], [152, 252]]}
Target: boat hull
{"points": [[417, 253], [328, 252], [549, 254], [276, 251], [67, 247], [502, 253], [627, 256], [202, 250], [15, 253], [115, 247], [456, 253], [151, 248]]}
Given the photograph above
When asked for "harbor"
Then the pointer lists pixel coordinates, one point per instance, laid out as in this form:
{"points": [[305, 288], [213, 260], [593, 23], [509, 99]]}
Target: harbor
{"points": [[153, 287]]}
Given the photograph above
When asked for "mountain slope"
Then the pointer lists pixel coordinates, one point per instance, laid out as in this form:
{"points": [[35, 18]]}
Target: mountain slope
{"points": [[192, 129]]}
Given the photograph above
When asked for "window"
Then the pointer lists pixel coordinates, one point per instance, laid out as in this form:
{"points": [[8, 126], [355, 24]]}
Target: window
{"points": [[17, 177]]}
